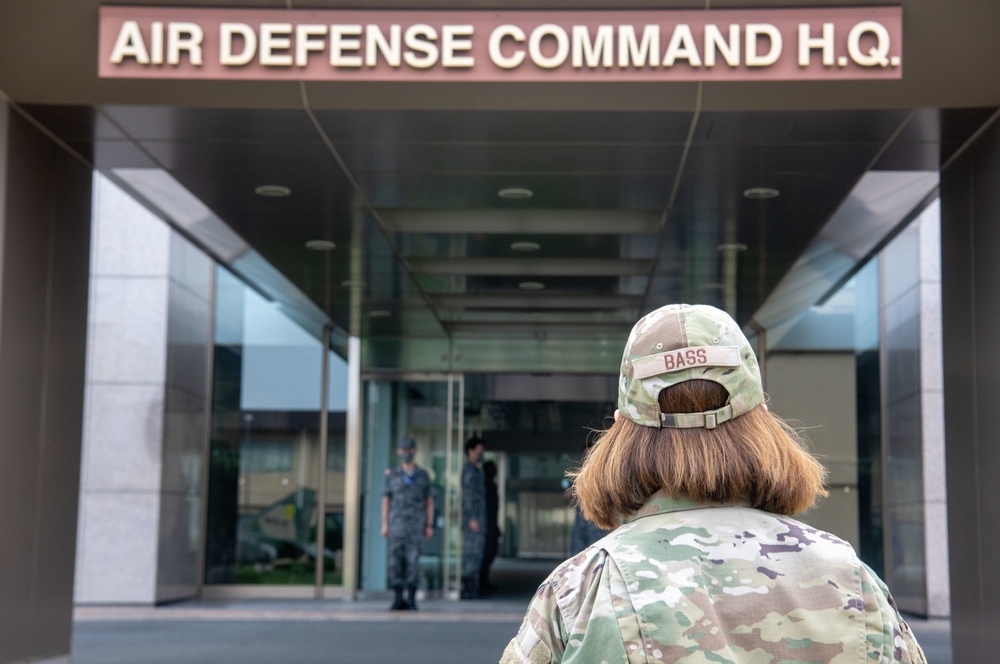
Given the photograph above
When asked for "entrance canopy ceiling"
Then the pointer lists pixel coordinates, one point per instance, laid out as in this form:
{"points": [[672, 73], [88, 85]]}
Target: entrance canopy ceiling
{"points": [[501, 216], [501, 224]]}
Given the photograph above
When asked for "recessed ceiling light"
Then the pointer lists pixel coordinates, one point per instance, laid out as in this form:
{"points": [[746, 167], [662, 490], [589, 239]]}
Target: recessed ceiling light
{"points": [[531, 285], [515, 193], [525, 246], [321, 245], [353, 283], [731, 246], [379, 313], [272, 190], [760, 193]]}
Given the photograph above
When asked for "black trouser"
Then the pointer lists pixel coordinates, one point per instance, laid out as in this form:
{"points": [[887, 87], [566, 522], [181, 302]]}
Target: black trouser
{"points": [[489, 555]]}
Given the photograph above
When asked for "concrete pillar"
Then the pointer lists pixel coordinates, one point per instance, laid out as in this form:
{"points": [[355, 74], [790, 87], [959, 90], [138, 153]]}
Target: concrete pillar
{"points": [[915, 500], [147, 409], [44, 256], [970, 243]]}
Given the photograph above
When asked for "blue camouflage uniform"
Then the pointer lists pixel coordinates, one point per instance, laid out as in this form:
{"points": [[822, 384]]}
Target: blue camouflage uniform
{"points": [[408, 494], [473, 507], [694, 583], [584, 533]]}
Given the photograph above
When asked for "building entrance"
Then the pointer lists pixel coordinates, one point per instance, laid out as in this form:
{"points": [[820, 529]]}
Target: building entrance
{"points": [[429, 409], [460, 227]]}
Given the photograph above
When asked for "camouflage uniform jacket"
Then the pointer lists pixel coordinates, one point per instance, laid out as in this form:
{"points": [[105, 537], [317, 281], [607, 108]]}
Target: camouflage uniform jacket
{"points": [[682, 582], [473, 496], [408, 496]]}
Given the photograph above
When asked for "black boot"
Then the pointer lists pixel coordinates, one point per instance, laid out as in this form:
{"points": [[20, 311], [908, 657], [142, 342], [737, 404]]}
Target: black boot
{"points": [[485, 587], [469, 588], [398, 604], [411, 598]]}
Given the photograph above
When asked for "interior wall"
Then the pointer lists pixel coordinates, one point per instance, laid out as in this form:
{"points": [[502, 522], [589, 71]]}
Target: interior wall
{"points": [[44, 262], [970, 240], [817, 391]]}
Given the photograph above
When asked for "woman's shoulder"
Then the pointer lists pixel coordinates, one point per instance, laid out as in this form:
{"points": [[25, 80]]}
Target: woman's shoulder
{"points": [[578, 572], [704, 526]]}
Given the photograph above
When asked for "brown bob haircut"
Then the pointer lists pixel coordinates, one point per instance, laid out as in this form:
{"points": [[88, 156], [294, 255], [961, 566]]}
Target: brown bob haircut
{"points": [[755, 458]]}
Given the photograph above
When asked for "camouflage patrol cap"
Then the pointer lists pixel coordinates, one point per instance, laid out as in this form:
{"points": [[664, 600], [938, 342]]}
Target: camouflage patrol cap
{"points": [[681, 342], [406, 444]]}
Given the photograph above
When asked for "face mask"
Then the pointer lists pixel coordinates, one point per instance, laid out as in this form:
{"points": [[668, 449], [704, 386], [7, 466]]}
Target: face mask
{"points": [[406, 457]]}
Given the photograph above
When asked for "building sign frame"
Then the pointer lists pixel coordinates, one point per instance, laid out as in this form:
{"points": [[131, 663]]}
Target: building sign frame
{"points": [[804, 44]]}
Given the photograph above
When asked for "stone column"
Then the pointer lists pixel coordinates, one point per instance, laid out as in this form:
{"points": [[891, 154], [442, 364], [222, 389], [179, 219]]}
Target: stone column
{"points": [[141, 532], [970, 246], [44, 255]]}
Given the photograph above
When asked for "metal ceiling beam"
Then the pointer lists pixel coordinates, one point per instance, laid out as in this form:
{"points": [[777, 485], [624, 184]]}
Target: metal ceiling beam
{"points": [[533, 267], [521, 222], [535, 301], [493, 329]]}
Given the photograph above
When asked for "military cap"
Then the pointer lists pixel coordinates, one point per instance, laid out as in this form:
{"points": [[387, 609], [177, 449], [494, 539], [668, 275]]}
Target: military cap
{"points": [[406, 444], [681, 342]]}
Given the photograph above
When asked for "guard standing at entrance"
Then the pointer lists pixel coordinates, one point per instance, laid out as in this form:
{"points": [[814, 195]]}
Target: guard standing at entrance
{"points": [[407, 519], [473, 517]]}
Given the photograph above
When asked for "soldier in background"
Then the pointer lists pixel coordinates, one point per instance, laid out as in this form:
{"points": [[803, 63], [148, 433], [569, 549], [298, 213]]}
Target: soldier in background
{"points": [[473, 517], [492, 545], [407, 520], [705, 563]]}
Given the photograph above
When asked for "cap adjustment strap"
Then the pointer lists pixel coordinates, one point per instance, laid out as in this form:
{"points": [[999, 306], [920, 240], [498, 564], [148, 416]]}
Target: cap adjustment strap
{"points": [[708, 420]]}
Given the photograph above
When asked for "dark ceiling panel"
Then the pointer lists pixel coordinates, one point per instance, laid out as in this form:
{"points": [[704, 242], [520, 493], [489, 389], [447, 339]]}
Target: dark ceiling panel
{"points": [[230, 192], [280, 157], [799, 126], [626, 214], [513, 158], [567, 191], [74, 123], [504, 126], [167, 123], [747, 159], [931, 137]]}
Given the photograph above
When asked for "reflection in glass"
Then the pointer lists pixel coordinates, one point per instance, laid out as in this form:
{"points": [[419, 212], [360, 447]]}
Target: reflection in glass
{"points": [[264, 466]]}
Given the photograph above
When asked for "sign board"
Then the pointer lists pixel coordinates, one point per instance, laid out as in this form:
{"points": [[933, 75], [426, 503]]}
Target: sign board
{"points": [[828, 43]]}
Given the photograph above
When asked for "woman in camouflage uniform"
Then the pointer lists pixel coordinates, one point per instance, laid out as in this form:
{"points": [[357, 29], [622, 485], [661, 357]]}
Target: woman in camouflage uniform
{"points": [[705, 565]]}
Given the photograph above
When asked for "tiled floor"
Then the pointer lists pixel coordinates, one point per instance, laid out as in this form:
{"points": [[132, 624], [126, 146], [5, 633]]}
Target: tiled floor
{"points": [[333, 632]]}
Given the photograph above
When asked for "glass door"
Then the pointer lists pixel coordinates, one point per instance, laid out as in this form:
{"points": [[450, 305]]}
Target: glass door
{"points": [[427, 408]]}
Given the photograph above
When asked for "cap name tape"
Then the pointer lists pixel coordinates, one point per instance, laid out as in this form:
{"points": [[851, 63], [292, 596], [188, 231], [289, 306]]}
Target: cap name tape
{"points": [[685, 358]]}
